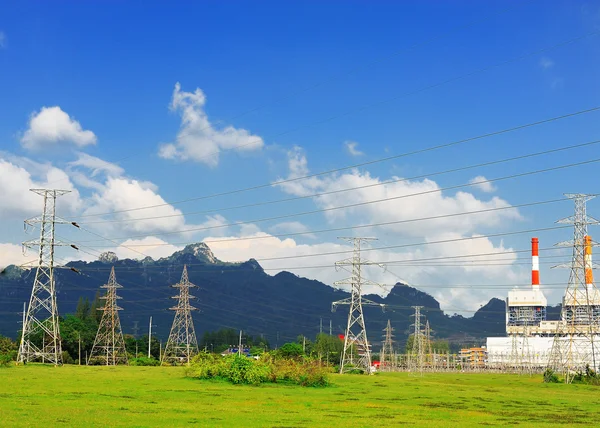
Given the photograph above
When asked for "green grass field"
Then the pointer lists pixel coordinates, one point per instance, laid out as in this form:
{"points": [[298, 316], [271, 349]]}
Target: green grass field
{"points": [[75, 396]]}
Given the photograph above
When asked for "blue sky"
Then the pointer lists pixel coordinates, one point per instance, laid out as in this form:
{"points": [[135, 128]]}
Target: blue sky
{"points": [[303, 78]]}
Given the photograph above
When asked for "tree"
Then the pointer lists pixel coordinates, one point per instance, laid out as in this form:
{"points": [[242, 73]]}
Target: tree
{"points": [[83, 308], [328, 348], [72, 329], [290, 350], [95, 311], [7, 345]]}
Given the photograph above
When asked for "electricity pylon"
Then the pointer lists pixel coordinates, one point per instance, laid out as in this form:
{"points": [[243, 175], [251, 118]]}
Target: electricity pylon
{"points": [[573, 345], [182, 343], [356, 333], [109, 346], [427, 344], [418, 352], [41, 317], [387, 350]]}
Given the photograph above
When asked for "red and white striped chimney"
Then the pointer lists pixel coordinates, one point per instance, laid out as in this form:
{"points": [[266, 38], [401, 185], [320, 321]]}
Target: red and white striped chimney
{"points": [[535, 264], [587, 261]]}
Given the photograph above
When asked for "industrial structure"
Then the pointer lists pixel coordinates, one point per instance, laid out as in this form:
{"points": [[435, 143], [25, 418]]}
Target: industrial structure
{"points": [[41, 340], [566, 345], [355, 338], [182, 343], [109, 345]]}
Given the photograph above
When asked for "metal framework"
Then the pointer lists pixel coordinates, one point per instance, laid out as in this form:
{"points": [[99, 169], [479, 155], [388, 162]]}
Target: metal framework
{"points": [[417, 355], [41, 333], [387, 350], [573, 345], [109, 346], [182, 343], [355, 338]]}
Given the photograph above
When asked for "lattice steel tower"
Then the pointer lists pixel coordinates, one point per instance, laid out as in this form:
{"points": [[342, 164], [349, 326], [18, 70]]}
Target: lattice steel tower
{"points": [[109, 346], [387, 350], [417, 357], [41, 333], [182, 343], [356, 333], [573, 346]]}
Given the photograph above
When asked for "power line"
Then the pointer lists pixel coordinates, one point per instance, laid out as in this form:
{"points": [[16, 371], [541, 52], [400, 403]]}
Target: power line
{"points": [[315, 195], [392, 198], [406, 154]]}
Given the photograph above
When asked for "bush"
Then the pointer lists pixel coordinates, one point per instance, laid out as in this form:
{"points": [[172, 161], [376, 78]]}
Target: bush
{"points": [[550, 376], [7, 358], [144, 361], [269, 368]]}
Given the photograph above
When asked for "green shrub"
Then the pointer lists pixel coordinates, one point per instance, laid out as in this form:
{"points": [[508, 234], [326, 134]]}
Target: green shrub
{"points": [[7, 358], [550, 376], [269, 368], [144, 361]]}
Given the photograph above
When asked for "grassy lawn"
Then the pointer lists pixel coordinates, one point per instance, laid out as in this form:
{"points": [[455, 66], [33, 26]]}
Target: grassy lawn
{"points": [[75, 396]]}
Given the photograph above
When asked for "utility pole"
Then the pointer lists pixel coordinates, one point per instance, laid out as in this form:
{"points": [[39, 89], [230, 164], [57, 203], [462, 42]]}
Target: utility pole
{"points": [[573, 345], [330, 328], [41, 317], [109, 344], [182, 343], [150, 337], [417, 354], [303, 344], [356, 333], [240, 345], [387, 349]]}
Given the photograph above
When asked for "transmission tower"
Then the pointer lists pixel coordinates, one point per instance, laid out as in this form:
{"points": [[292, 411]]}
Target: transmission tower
{"points": [[182, 343], [356, 333], [109, 346], [573, 345], [427, 344], [417, 356], [41, 333], [387, 350]]}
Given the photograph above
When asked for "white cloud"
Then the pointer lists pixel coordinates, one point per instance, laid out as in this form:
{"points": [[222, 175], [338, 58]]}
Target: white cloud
{"points": [[481, 183], [97, 165], [51, 126], [351, 147], [18, 175], [546, 63], [198, 140], [148, 246], [11, 254], [407, 200], [292, 227], [2, 40]]}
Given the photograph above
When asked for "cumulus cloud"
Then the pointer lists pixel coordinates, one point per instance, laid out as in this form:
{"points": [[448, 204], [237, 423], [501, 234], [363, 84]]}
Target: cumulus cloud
{"points": [[51, 126], [148, 246], [481, 183], [97, 165], [294, 227], [405, 201], [198, 139], [18, 175], [352, 148], [11, 254]]}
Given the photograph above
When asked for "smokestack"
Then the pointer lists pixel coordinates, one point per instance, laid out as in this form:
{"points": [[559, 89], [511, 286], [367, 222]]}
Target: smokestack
{"points": [[535, 264], [587, 262]]}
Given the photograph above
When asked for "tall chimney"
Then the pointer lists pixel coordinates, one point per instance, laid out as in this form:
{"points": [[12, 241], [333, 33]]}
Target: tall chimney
{"points": [[535, 264], [587, 262]]}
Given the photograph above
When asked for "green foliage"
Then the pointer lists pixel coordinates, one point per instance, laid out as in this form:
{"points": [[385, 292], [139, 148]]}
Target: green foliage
{"points": [[220, 340], [72, 329], [588, 377], [144, 361], [7, 357], [83, 308], [290, 350], [95, 311], [7, 345], [269, 368], [328, 348], [550, 376]]}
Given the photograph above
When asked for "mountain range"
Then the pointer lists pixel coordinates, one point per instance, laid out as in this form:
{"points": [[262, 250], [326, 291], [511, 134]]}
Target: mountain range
{"points": [[240, 296]]}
